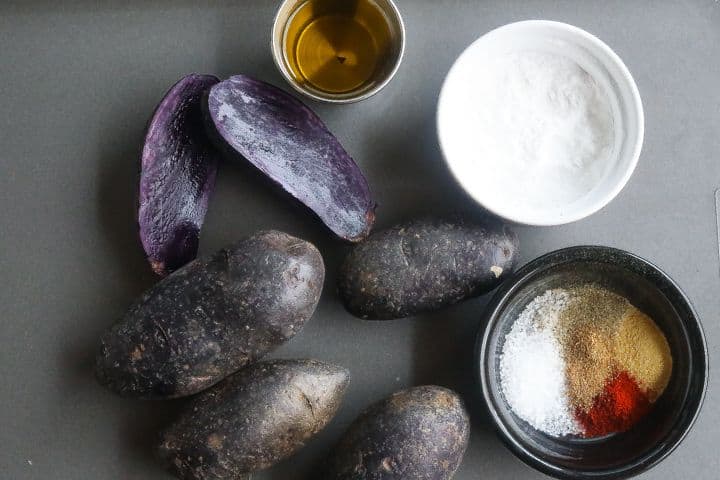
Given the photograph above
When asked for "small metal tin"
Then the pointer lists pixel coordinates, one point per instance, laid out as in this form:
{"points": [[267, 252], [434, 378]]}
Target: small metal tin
{"points": [[285, 13]]}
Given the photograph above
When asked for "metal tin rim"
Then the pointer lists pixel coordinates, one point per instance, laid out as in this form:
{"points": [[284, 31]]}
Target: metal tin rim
{"points": [[277, 54]]}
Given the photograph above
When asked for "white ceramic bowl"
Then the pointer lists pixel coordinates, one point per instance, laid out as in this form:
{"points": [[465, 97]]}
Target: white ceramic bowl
{"points": [[596, 58]]}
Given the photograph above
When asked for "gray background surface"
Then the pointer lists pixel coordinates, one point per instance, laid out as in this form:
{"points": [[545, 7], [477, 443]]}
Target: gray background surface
{"points": [[79, 79]]}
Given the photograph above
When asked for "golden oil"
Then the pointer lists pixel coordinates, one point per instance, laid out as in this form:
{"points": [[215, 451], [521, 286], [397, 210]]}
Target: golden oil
{"points": [[337, 46]]}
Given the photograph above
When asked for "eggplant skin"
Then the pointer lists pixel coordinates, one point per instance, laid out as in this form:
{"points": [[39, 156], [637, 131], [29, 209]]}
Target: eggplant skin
{"points": [[252, 420], [291, 145], [177, 176], [424, 265], [212, 317], [420, 434]]}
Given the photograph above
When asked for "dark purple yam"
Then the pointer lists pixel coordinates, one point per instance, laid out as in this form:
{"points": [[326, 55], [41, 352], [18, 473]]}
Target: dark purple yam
{"points": [[289, 143], [420, 434], [425, 265], [177, 176], [254, 419], [212, 317]]}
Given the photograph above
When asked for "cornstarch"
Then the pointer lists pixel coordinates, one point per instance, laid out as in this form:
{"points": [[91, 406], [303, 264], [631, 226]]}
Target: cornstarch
{"points": [[549, 124]]}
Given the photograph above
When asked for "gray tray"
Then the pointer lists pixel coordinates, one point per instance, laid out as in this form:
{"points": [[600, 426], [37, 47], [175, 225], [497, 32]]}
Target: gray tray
{"points": [[80, 78]]}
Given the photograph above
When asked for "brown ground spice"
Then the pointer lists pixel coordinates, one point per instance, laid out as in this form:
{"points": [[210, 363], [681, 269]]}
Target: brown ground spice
{"points": [[586, 330], [589, 364]]}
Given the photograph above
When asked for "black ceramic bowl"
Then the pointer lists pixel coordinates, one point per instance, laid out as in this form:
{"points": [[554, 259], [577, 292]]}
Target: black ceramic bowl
{"points": [[620, 455]]}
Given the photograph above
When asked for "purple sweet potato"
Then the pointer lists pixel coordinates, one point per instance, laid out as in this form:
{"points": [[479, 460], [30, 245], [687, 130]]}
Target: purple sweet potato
{"points": [[425, 265], [178, 170], [212, 317], [289, 143], [419, 434], [252, 420]]}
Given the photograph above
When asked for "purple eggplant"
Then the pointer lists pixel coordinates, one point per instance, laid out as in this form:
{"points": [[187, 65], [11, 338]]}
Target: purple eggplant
{"points": [[179, 166], [289, 143]]}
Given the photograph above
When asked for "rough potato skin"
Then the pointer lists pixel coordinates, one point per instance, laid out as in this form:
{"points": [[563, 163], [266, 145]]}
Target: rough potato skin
{"points": [[416, 434], [424, 265], [254, 419], [212, 317]]}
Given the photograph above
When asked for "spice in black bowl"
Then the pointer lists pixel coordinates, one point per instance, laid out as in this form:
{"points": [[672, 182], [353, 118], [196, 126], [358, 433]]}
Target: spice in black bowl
{"points": [[583, 361], [660, 304]]}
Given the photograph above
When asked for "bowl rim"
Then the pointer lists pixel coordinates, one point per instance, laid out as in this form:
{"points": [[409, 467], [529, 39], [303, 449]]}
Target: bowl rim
{"points": [[636, 107], [489, 320]]}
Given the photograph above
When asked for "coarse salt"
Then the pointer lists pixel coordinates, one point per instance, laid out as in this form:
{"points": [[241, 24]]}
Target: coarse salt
{"points": [[532, 370]]}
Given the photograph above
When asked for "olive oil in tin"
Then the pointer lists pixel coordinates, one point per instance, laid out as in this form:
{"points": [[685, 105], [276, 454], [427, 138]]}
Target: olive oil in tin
{"points": [[338, 46]]}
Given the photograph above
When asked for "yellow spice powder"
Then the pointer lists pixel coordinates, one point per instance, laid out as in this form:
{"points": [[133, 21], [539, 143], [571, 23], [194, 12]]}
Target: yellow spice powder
{"points": [[643, 351]]}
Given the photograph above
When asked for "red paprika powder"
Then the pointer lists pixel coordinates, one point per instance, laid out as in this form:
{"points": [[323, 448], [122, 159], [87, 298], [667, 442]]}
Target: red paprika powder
{"points": [[621, 405]]}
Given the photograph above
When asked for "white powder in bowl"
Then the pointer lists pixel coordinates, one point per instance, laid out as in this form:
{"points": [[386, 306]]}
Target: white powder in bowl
{"points": [[532, 369], [537, 129]]}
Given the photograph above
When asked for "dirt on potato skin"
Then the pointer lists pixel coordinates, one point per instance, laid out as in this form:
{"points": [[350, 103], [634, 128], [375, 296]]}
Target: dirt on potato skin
{"points": [[212, 317], [253, 419], [420, 433], [424, 265]]}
